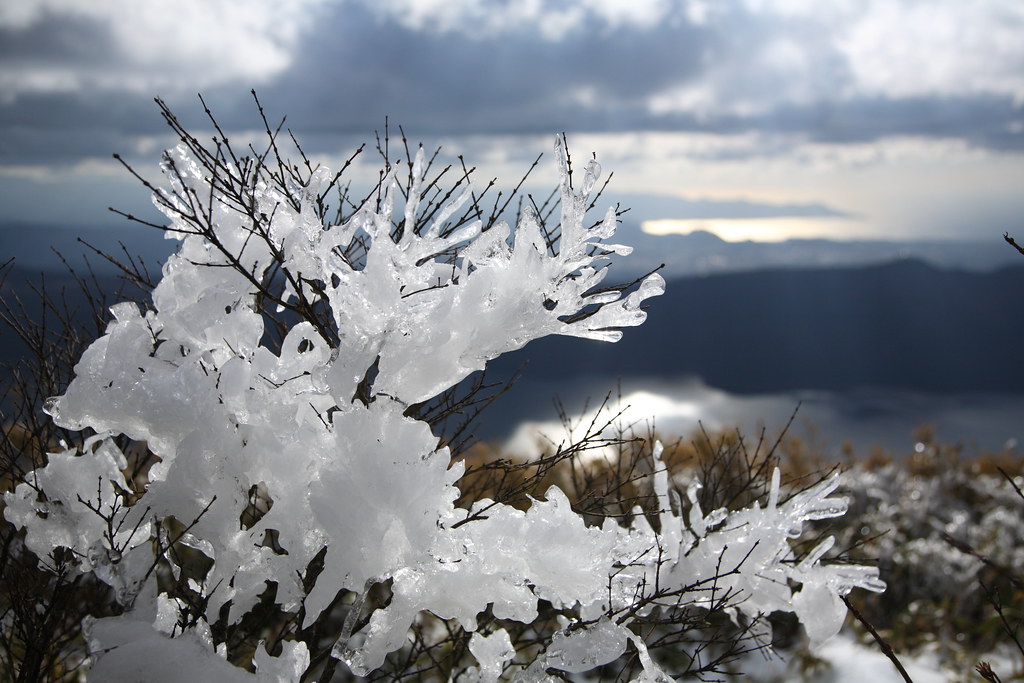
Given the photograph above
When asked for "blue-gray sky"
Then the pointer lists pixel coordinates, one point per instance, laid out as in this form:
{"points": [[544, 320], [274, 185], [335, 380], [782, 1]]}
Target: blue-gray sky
{"points": [[757, 118]]}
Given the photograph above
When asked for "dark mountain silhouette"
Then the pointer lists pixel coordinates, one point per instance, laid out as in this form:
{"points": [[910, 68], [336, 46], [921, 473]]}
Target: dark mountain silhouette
{"points": [[41, 246], [22, 288], [703, 253], [697, 253], [902, 325]]}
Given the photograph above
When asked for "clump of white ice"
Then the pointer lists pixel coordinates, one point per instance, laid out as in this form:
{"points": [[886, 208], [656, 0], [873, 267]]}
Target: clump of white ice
{"points": [[358, 479]]}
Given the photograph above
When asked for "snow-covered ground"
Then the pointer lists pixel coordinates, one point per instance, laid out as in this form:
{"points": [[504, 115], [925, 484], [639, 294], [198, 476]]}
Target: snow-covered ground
{"points": [[844, 660]]}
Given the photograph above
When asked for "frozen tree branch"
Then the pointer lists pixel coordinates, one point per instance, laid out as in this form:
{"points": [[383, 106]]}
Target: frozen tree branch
{"points": [[275, 379]]}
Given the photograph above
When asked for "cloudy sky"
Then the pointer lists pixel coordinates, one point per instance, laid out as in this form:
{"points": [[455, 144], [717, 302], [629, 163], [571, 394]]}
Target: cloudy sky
{"points": [[757, 118]]}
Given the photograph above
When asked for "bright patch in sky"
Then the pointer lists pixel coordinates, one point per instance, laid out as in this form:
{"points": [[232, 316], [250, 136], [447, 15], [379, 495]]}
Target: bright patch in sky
{"points": [[756, 229]]}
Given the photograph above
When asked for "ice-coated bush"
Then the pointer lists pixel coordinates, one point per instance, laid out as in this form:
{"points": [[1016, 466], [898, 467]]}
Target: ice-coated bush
{"points": [[948, 533], [278, 376]]}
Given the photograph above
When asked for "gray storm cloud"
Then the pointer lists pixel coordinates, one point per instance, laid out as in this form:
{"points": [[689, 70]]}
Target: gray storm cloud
{"points": [[807, 83]]}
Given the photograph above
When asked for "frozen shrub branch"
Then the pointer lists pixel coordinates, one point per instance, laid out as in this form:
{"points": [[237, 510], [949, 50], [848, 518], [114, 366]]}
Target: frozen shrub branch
{"points": [[282, 378]]}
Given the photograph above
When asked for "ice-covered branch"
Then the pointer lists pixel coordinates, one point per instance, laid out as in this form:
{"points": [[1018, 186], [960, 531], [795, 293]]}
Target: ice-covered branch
{"points": [[379, 312]]}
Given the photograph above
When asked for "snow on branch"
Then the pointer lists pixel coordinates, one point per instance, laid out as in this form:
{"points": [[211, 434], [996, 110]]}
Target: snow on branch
{"points": [[294, 464]]}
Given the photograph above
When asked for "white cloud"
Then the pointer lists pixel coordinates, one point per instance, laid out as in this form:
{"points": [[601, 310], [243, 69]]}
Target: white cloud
{"points": [[90, 168], [640, 13], [758, 54], [937, 48], [550, 19], [156, 46], [799, 52]]}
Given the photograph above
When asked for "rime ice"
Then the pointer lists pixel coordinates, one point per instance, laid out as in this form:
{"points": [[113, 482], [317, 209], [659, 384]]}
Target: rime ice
{"points": [[356, 478]]}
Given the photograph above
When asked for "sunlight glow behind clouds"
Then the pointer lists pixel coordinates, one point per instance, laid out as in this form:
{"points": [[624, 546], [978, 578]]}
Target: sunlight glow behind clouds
{"points": [[759, 229], [900, 187]]}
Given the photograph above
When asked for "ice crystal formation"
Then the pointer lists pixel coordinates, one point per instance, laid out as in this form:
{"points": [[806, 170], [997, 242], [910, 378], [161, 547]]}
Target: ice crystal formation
{"points": [[320, 431]]}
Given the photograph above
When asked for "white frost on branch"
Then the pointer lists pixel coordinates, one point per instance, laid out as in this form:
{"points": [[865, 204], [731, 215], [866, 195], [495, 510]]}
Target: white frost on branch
{"points": [[494, 294], [355, 478]]}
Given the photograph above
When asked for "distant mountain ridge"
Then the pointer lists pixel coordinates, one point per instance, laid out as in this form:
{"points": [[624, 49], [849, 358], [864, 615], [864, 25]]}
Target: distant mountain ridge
{"points": [[35, 246], [902, 325], [704, 253]]}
